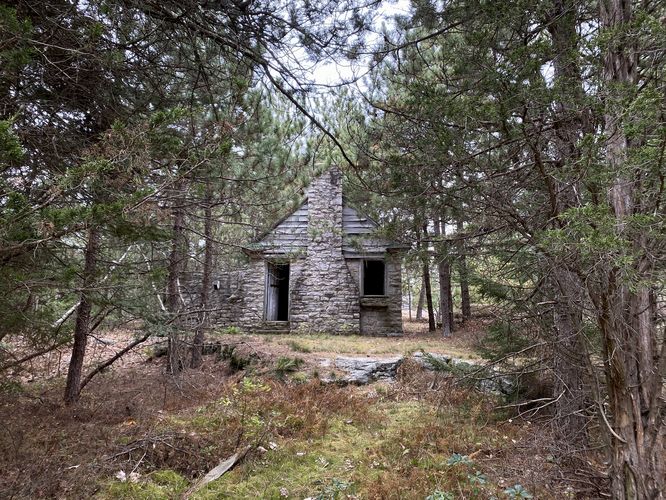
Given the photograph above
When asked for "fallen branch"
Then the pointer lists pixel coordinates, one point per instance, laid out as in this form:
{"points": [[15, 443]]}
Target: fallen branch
{"points": [[215, 473], [33, 355], [524, 403], [610, 428]]}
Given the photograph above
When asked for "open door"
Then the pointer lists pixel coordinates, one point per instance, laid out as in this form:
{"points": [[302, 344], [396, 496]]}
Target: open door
{"points": [[277, 292]]}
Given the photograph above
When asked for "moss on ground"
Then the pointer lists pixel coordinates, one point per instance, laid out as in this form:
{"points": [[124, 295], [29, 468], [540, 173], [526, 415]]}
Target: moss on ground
{"points": [[159, 484], [403, 451]]}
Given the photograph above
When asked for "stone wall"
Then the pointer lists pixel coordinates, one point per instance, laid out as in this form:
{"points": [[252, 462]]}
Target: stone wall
{"points": [[226, 297], [382, 315], [252, 305], [239, 300], [298, 306]]}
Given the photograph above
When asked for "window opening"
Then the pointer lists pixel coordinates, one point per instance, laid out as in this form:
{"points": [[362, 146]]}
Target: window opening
{"points": [[374, 277]]}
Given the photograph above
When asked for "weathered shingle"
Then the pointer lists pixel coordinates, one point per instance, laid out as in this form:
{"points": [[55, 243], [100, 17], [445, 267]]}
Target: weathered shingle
{"points": [[291, 234]]}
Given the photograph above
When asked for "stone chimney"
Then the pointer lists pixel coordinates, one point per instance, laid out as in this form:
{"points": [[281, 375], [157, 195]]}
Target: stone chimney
{"points": [[329, 299], [325, 214]]}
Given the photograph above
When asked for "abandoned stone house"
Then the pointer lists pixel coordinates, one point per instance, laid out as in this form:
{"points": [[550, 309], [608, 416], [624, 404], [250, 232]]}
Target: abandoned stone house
{"points": [[320, 269]]}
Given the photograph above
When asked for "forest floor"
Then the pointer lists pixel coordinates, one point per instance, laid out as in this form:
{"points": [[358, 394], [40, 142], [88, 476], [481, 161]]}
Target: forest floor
{"points": [[138, 433]]}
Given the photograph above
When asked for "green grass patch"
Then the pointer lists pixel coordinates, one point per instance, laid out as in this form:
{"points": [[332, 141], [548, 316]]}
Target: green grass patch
{"points": [[158, 485], [324, 441], [286, 365], [394, 455], [297, 346]]}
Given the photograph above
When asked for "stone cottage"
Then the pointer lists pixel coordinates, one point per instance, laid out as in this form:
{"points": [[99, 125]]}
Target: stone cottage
{"points": [[320, 269]]}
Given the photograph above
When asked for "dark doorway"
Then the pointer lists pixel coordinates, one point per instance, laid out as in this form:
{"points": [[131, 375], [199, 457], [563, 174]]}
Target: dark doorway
{"points": [[277, 292]]}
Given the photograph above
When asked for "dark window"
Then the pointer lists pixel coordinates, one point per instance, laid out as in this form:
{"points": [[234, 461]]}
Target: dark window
{"points": [[373, 277]]}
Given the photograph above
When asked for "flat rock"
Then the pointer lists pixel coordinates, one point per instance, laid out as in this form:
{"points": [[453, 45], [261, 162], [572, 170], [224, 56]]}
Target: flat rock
{"points": [[105, 341], [426, 360], [487, 380], [362, 371]]}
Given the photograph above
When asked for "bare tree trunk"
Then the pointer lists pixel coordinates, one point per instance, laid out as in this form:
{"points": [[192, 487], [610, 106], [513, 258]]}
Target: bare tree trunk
{"points": [[409, 297], [206, 283], [569, 358], [446, 306], [428, 293], [445, 295], [421, 301], [175, 354], [82, 326], [432, 326], [465, 304], [450, 289], [635, 367], [465, 300], [570, 362]]}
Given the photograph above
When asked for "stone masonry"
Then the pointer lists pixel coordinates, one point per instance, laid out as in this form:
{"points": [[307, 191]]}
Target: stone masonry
{"points": [[328, 296]]}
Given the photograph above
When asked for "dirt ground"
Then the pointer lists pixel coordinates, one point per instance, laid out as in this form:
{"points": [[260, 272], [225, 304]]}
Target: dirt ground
{"points": [[307, 439]]}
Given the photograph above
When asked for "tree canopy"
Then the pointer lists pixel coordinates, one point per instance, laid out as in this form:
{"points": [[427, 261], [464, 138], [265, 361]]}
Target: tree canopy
{"points": [[518, 147]]}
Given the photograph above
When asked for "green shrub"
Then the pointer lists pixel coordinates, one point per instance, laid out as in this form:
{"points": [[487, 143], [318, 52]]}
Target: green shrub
{"points": [[298, 347], [458, 459], [287, 365], [236, 361], [517, 491], [440, 495], [229, 330], [335, 490]]}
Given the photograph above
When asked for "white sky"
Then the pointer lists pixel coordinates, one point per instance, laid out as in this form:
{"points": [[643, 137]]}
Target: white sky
{"points": [[333, 73]]}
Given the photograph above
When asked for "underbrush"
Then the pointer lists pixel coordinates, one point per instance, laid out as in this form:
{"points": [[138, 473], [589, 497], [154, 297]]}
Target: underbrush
{"points": [[139, 434], [420, 438]]}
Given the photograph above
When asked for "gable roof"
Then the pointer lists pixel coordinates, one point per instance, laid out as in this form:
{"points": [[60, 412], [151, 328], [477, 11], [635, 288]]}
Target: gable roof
{"points": [[290, 234]]}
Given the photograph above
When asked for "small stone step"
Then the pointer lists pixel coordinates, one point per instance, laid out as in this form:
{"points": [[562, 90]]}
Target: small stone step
{"points": [[273, 328], [265, 331]]}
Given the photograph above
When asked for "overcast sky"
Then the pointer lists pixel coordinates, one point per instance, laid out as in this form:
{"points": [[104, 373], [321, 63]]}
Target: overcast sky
{"points": [[333, 73]]}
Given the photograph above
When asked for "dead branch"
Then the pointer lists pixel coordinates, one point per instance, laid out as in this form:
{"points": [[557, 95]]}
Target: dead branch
{"points": [[113, 359], [32, 356], [215, 473]]}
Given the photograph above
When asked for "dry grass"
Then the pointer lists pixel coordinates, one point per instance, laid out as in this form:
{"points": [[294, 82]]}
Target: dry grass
{"points": [[416, 338], [308, 439], [49, 450]]}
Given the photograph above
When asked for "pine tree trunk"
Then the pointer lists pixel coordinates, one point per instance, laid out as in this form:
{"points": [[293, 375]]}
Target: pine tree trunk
{"points": [[428, 293], [82, 325], [421, 301], [175, 354], [445, 295], [465, 304], [570, 363], [446, 306], [465, 300], [569, 359], [432, 325], [206, 283], [634, 365], [409, 297]]}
